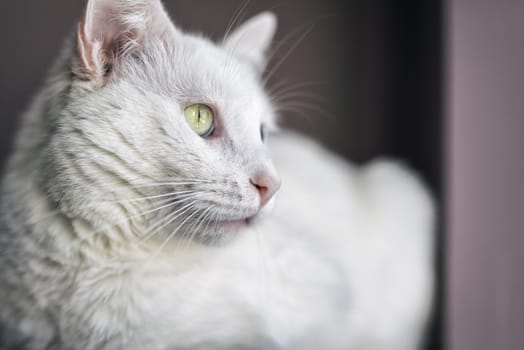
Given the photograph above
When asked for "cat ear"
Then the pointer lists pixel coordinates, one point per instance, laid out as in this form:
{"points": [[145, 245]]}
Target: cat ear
{"points": [[112, 28], [252, 39]]}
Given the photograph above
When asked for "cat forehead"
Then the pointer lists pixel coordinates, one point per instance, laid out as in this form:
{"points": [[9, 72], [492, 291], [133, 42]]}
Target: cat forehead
{"points": [[193, 69], [210, 67]]}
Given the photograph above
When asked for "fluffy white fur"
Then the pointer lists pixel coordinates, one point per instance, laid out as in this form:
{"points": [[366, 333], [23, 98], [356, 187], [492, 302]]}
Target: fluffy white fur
{"points": [[342, 262]]}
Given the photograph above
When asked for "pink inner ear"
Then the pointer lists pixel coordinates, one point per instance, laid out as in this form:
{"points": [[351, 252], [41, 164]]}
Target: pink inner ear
{"points": [[101, 20], [96, 41], [86, 61], [111, 28]]}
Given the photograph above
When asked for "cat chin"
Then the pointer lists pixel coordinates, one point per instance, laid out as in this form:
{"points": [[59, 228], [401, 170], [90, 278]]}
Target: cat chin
{"points": [[228, 231], [234, 225], [218, 239], [231, 230]]}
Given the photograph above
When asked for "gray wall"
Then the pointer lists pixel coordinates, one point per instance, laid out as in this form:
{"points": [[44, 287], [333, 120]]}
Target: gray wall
{"points": [[486, 172]]}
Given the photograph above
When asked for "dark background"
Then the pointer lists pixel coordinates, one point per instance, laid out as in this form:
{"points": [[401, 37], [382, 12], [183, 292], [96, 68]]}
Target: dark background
{"points": [[370, 73]]}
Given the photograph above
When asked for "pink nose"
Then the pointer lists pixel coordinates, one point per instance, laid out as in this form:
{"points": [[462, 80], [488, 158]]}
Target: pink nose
{"points": [[267, 185]]}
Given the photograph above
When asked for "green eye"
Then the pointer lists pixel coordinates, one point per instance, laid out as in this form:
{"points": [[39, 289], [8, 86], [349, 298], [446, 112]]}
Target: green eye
{"points": [[200, 118]]}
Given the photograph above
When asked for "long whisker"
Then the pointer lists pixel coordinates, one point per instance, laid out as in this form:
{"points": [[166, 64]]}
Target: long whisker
{"points": [[153, 230], [279, 89], [140, 182], [198, 223], [134, 216], [234, 20], [53, 213], [141, 199], [215, 221], [284, 41], [288, 53], [174, 232], [278, 85], [181, 183], [293, 96], [304, 106]]}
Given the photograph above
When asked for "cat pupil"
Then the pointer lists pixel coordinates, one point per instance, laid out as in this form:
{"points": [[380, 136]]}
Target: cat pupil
{"points": [[262, 133]]}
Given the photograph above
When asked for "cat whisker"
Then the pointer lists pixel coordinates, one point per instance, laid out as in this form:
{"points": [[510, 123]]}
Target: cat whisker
{"points": [[170, 179], [234, 20], [279, 63], [173, 202], [300, 107], [216, 228], [281, 43], [293, 96], [159, 202], [56, 212], [309, 27], [209, 220], [141, 214], [174, 233], [279, 89], [292, 112], [141, 199], [157, 227], [152, 180], [182, 183], [196, 226]]}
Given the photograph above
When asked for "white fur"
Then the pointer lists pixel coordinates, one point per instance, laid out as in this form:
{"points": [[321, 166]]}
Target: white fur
{"points": [[342, 262]]}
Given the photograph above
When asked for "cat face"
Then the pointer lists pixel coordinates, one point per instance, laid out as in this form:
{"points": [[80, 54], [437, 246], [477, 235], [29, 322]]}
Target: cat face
{"points": [[167, 123]]}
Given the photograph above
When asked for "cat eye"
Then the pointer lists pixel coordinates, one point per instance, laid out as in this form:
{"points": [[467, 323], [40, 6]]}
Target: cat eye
{"points": [[200, 118]]}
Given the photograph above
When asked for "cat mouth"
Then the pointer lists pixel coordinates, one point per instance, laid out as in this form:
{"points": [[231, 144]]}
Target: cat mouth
{"points": [[234, 224]]}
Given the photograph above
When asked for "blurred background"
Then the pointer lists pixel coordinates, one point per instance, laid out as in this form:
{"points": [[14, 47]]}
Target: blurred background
{"points": [[363, 77], [438, 84]]}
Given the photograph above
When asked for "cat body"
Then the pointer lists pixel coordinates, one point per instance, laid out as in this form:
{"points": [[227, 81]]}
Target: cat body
{"points": [[123, 229]]}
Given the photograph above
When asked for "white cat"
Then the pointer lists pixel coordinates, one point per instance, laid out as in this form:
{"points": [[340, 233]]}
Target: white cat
{"points": [[136, 207]]}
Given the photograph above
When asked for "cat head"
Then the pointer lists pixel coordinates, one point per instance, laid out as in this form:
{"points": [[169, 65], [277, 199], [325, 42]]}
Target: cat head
{"points": [[166, 123]]}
